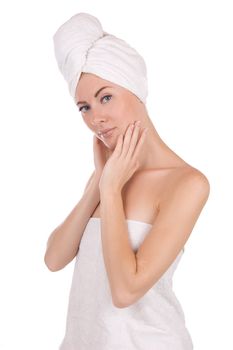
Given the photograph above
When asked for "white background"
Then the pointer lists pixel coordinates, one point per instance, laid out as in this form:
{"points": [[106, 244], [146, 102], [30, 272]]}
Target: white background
{"points": [[46, 154]]}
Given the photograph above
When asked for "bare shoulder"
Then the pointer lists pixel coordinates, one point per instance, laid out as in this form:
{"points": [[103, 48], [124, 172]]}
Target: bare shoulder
{"points": [[196, 181], [187, 180]]}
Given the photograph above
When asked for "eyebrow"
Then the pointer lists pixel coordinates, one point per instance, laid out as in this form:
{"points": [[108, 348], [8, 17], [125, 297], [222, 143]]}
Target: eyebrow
{"points": [[96, 94]]}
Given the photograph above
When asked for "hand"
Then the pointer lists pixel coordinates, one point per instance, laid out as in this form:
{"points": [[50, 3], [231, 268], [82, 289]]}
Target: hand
{"points": [[101, 155], [123, 162]]}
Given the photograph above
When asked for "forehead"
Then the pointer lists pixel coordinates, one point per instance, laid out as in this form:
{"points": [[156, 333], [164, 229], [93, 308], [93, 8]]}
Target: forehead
{"points": [[89, 82]]}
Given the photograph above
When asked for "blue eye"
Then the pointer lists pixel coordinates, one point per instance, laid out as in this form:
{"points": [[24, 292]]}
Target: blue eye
{"points": [[107, 96]]}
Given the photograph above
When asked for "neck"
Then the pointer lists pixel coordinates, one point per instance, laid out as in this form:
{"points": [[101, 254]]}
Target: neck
{"points": [[155, 153]]}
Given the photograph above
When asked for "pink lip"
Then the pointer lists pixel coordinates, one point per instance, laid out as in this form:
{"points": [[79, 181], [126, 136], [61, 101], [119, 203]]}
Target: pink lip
{"points": [[108, 133]]}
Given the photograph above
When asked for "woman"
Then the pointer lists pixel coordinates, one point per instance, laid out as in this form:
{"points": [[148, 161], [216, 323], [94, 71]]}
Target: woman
{"points": [[138, 209]]}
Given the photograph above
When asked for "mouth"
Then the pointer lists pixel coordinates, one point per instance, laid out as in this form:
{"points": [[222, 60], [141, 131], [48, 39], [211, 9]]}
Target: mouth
{"points": [[108, 133]]}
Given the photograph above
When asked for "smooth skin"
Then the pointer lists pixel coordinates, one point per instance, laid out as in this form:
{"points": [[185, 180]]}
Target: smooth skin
{"points": [[123, 161], [120, 110], [136, 176]]}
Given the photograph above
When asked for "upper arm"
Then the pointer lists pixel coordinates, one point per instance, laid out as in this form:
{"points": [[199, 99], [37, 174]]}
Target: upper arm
{"points": [[178, 213]]}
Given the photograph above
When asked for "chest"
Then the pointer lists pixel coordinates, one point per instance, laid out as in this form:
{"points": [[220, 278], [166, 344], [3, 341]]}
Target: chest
{"points": [[141, 196]]}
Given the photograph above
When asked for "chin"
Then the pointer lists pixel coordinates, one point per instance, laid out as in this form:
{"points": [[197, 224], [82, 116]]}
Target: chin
{"points": [[111, 141], [110, 146]]}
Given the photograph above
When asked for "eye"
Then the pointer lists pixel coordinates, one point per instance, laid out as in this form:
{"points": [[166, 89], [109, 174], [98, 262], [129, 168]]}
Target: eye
{"points": [[81, 108], [106, 97]]}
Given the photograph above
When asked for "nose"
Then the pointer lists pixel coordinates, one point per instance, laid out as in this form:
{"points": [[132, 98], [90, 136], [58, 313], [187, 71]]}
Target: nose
{"points": [[97, 117]]}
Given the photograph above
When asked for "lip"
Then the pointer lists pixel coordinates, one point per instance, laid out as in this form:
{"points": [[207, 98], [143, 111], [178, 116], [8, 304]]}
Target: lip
{"points": [[105, 132]]}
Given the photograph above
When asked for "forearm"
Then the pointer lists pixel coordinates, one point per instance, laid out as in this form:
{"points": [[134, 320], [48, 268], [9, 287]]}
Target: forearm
{"points": [[63, 243], [119, 257]]}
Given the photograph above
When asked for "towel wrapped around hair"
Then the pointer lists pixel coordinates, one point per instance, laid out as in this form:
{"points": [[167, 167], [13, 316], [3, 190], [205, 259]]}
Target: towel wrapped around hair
{"points": [[81, 45]]}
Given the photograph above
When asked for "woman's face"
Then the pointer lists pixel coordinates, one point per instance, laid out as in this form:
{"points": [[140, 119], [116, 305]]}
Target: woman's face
{"points": [[113, 107]]}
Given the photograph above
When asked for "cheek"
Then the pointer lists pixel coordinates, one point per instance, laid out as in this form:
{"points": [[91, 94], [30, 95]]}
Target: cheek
{"points": [[88, 124], [123, 113]]}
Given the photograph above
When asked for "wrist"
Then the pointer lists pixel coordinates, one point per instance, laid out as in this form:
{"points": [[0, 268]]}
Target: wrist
{"points": [[110, 192], [97, 174]]}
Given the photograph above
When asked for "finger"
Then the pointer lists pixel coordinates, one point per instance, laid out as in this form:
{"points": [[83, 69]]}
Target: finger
{"points": [[127, 140], [94, 142], [95, 139], [118, 148], [134, 139], [138, 147]]}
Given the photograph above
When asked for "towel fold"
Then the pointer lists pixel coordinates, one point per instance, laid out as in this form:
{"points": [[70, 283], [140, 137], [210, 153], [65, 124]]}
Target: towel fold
{"points": [[81, 45]]}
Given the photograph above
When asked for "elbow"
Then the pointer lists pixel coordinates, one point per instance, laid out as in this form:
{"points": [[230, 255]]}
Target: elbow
{"points": [[51, 266], [122, 300], [126, 299], [120, 304]]}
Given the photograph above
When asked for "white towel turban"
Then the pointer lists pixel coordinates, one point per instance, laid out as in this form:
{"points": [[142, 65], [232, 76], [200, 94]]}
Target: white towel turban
{"points": [[81, 45]]}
